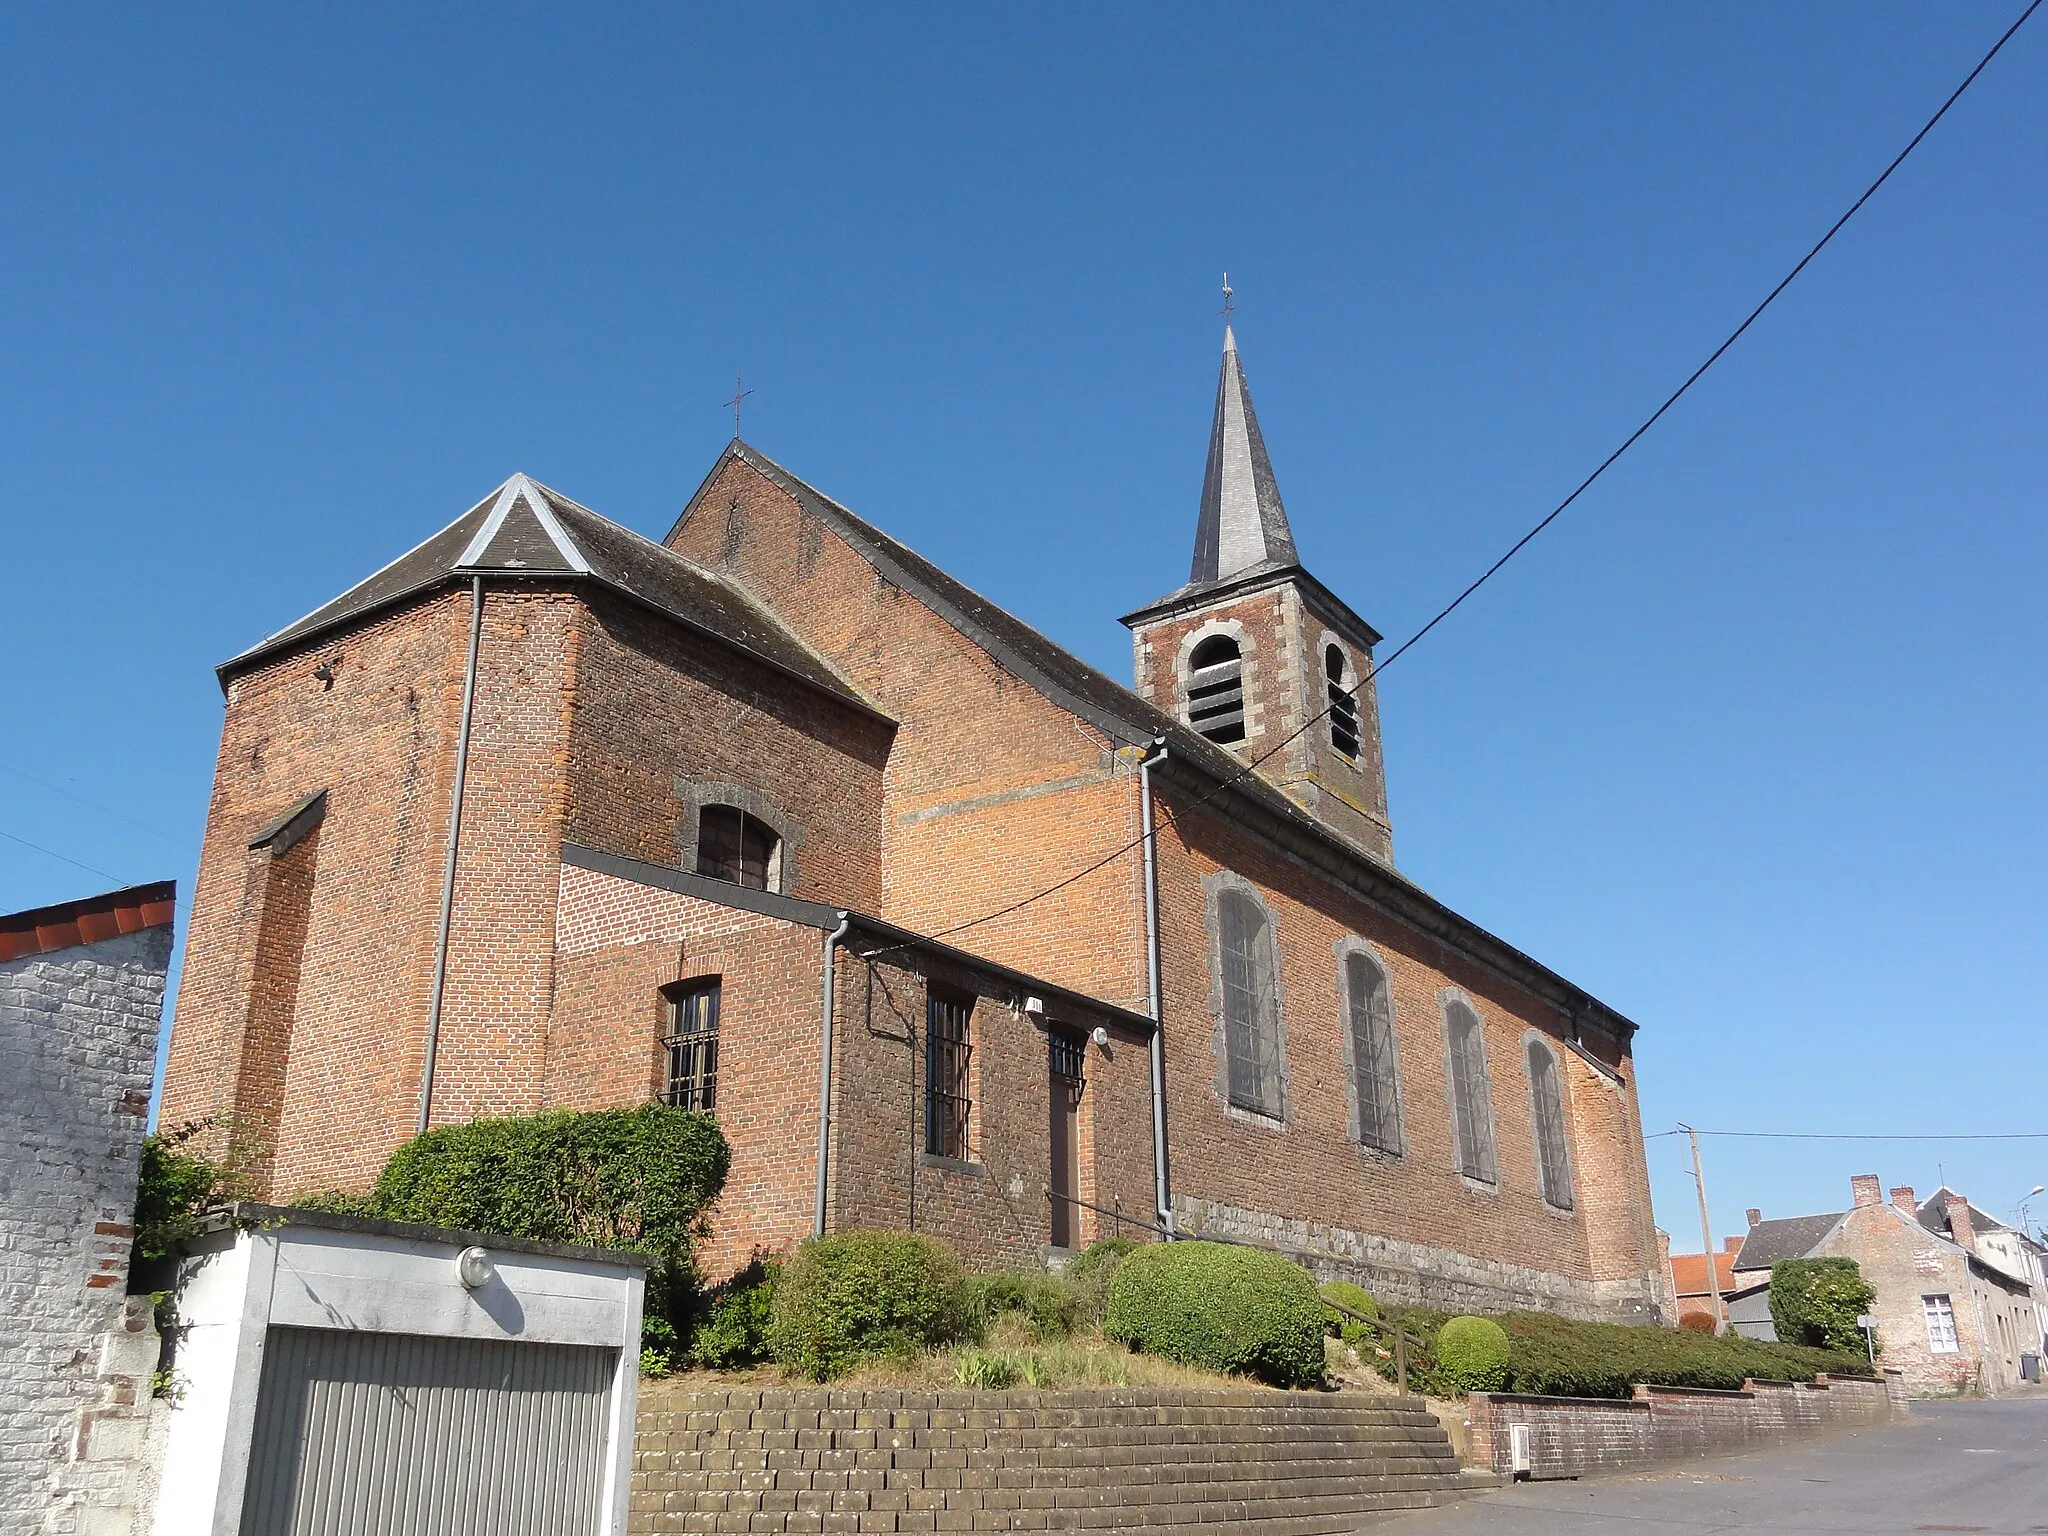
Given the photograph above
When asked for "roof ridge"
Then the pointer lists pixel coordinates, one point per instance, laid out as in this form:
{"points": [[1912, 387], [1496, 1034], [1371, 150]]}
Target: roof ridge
{"points": [[520, 487]]}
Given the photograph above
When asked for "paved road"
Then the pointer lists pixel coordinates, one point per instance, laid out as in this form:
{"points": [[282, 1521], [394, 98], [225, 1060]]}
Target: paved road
{"points": [[1967, 1466]]}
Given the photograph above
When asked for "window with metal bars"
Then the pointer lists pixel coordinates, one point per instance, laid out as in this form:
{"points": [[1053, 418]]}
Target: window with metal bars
{"points": [[1553, 1155], [1216, 690], [1471, 1097], [1251, 1019], [1343, 703], [1372, 1053], [731, 845], [691, 1043], [947, 1105]]}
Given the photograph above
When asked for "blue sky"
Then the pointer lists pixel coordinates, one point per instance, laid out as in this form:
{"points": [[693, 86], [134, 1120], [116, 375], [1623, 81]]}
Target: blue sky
{"points": [[1749, 744]]}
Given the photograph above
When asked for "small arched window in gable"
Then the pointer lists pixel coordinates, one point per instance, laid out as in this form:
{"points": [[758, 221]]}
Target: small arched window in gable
{"points": [[1553, 1156], [1251, 1017], [1471, 1097], [1343, 703], [731, 845], [1216, 690], [1372, 1053]]}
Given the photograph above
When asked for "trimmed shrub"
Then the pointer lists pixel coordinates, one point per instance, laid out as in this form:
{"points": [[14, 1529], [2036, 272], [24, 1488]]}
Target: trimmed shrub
{"points": [[732, 1329], [1092, 1270], [1227, 1308], [1698, 1322], [1353, 1298], [856, 1295], [1816, 1302], [1050, 1303], [638, 1179], [1472, 1354]]}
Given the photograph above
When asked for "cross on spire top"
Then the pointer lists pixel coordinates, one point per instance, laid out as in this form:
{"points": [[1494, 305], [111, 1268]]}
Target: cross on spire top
{"points": [[1227, 305], [738, 395]]}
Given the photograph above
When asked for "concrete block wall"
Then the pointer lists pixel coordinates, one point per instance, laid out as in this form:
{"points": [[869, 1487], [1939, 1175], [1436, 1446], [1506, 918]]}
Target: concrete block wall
{"points": [[1573, 1436], [78, 1033], [1264, 1463]]}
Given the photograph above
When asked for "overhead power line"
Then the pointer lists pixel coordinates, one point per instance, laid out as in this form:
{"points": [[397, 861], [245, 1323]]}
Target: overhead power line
{"points": [[1555, 512], [1867, 1135], [61, 858]]}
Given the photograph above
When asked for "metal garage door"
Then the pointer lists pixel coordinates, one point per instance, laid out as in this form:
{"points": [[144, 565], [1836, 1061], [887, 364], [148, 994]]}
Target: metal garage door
{"points": [[387, 1434]]}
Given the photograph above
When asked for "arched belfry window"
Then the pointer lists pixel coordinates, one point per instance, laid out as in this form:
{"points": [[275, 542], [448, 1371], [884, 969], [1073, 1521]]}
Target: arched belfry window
{"points": [[1371, 1012], [731, 845], [1251, 1013], [1216, 690], [1471, 1097], [1343, 703], [1553, 1156]]}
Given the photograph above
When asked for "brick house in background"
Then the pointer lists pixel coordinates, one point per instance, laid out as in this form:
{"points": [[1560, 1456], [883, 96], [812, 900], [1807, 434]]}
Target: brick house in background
{"points": [[81, 1001], [545, 813], [1692, 1293], [1952, 1313]]}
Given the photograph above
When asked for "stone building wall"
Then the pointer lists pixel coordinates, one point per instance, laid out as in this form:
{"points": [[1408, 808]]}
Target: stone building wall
{"points": [[78, 1036]]}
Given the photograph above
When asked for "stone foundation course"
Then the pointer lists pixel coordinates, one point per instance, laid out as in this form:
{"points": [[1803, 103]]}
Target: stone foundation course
{"points": [[1266, 1463], [1575, 1436]]}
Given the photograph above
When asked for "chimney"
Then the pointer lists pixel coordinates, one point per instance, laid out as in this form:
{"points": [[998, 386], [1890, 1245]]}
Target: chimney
{"points": [[1902, 1197], [1865, 1188], [1960, 1227], [1754, 1215], [1731, 1245]]}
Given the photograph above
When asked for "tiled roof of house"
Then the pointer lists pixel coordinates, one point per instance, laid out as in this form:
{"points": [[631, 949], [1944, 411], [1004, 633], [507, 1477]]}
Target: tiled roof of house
{"points": [[524, 529], [67, 925], [1689, 1272], [1790, 1237]]}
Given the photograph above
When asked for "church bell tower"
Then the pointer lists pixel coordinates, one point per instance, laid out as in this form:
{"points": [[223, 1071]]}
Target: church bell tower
{"points": [[1253, 648]]}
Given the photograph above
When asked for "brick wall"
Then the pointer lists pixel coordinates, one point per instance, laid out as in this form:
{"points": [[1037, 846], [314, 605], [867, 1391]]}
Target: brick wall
{"points": [[1260, 1463], [1573, 1436], [78, 1033]]}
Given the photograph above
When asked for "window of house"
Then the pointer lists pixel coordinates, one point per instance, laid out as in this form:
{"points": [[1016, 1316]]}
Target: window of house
{"points": [[946, 1102], [1941, 1325], [691, 1043], [1553, 1161], [731, 845], [1251, 1017], [1372, 1053], [1216, 690], [1343, 704], [1471, 1097]]}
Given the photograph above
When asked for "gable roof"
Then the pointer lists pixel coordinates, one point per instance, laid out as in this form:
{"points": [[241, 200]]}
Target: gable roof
{"points": [[1689, 1272], [1790, 1237], [1195, 763], [525, 530], [1933, 1215]]}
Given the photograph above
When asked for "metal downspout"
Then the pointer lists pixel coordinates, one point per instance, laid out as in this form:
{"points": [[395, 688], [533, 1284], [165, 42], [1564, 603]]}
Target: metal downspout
{"points": [[1162, 1182], [832, 941], [476, 629]]}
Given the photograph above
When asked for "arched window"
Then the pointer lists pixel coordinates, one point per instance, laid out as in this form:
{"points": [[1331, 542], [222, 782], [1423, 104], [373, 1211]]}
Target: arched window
{"points": [[1343, 705], [731, 845], [1553, 1157], [1471, 1098], [1372, 1053], [1216, 690], [1251, 1019]]}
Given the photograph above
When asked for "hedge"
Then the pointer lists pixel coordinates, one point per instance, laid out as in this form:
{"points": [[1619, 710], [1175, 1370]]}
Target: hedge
{"points": [[857, 1295], [1227, 1308], [1556, 1356], [1817, 1302]]}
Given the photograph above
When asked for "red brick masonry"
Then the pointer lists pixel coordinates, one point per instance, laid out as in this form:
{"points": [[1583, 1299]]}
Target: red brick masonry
{"points": [[1573, 1436]]}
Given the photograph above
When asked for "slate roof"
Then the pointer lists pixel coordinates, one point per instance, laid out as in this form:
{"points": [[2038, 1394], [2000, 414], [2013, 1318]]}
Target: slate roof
{"points": [[524, 529], [1129, 720], [1933, 1215], [1790, 1237], [1243, 523]]}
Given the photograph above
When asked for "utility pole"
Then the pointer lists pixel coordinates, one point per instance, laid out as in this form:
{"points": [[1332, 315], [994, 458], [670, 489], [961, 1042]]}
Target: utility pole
{"points": [[1706, 1231]]}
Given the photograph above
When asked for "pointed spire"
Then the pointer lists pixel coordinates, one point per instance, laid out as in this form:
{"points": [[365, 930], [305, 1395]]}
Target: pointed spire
{"points": [[1243, 523]]}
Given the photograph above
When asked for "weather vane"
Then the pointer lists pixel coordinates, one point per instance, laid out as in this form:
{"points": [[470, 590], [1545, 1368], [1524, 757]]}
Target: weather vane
{"points": [[739, 395], [1227, 305]]}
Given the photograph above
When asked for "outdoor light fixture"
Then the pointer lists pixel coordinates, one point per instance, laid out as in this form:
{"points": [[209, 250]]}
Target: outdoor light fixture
{"points": [[473, 1268]]}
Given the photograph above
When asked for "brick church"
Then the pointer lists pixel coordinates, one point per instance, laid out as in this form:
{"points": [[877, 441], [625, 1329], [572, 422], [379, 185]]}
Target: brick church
{"points": [[544, 813]]}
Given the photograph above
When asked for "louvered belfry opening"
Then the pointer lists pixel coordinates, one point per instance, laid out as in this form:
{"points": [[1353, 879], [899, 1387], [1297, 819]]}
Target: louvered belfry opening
{"points": [[1216, 690], [1343, 704]]}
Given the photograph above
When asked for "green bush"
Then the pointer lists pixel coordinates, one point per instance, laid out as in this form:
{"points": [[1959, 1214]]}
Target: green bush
{"points": [[855, 1295], [1224, 1307], [1092, 1270], [176, 1189], [1050, 1303], [637, 1179], [732, 1329], [1472, 1354], [1816, 1302], [342, 1202], [1351, 1298]]}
